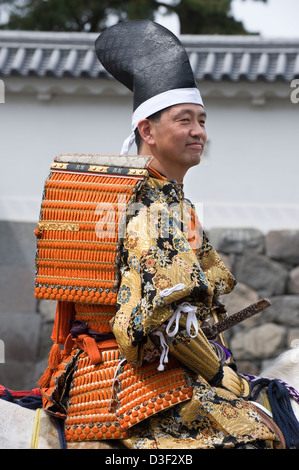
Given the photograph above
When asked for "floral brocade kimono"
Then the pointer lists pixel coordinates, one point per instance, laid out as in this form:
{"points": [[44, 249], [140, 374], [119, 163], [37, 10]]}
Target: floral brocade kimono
{"points": [[168, 262], [151, 377]]}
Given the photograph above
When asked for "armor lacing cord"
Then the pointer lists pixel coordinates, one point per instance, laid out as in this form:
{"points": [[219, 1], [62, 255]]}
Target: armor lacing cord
{"points": [[114, 379], [31, 400], [283, 414], [185, 307], [165, 350]]}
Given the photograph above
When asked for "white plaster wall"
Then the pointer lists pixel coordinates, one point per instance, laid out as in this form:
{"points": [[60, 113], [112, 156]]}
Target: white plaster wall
{"points": [[33, 132], [248, 178]]}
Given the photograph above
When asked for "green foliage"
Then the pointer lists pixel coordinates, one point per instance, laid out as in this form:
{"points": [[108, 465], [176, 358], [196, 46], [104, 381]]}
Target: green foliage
{"points": [[59, 15], [207, 17], [195, 16]]}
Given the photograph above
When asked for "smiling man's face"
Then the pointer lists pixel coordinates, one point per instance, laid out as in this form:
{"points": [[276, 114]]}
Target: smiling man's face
{"points": [[178, 138]]}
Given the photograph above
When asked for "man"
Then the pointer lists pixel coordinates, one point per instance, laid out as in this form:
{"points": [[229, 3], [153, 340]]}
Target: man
{"points": [[158, 381]]}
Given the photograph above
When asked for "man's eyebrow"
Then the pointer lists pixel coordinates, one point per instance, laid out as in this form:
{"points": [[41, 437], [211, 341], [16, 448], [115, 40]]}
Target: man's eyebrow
{"points": [[190, 112], [203, 114]]}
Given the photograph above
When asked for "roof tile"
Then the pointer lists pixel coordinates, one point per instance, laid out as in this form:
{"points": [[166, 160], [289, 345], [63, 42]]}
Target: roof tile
{"points": [[213, 58]]}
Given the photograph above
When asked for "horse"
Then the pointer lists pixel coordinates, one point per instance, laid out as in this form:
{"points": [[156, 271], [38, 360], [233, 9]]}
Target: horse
{"points": [[25, 428]]}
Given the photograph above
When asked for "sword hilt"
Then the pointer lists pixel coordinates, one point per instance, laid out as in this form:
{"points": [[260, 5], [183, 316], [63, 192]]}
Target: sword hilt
{"points": [[213, 330]]}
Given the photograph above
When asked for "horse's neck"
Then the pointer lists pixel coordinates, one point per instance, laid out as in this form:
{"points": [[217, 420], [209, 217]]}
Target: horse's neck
{"points": [[288, 373]]}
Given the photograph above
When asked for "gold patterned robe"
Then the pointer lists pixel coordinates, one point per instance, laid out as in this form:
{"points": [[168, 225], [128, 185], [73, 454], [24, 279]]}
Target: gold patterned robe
{"points": [[143, 386], [165, 251]]}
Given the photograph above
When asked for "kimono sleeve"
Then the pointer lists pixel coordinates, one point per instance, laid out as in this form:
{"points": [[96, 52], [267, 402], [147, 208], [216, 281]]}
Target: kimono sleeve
{"points": [[157, 272]]}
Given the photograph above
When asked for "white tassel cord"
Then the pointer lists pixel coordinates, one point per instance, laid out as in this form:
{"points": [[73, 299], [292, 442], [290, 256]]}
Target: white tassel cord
{"points": [[165, 350], [167, 292], [185, 307]]}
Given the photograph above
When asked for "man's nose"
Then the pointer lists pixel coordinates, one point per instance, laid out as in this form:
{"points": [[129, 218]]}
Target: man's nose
{"points": [[197, 130]]}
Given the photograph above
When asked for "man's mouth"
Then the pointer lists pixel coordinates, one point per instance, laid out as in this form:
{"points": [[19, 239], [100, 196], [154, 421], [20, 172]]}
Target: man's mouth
{"points": [[195, 145]]}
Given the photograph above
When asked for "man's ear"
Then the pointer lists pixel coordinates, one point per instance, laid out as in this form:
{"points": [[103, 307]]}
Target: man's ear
{"points": [[145, 131]]}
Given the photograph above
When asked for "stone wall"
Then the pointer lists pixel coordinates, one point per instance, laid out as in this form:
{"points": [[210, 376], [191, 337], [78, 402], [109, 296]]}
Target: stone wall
{"points": [[264, 265], [20, 324]]}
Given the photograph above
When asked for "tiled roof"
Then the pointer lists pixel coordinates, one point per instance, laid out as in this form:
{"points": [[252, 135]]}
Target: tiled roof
{"points": [[213, 58]]}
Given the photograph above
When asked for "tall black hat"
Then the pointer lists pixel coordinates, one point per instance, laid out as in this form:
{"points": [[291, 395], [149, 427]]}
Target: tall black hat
{"points": [[149, 60]]}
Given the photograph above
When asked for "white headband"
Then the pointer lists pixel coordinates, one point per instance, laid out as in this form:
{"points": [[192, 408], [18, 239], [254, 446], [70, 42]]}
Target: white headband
{"points": [[157, 103]]}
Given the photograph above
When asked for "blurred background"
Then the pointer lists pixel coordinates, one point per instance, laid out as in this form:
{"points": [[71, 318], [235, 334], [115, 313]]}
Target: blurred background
{"points": [[56, 98]]}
